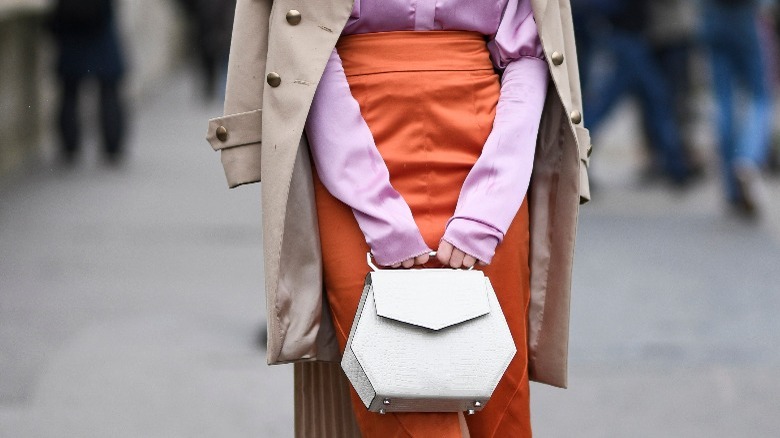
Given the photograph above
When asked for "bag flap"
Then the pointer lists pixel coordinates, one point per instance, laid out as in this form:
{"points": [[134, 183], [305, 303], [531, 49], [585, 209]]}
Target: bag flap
{"points": [[430, 298]]}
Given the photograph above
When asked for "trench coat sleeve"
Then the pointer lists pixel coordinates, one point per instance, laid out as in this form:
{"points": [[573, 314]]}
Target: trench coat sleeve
{"points": [[237, 134]]}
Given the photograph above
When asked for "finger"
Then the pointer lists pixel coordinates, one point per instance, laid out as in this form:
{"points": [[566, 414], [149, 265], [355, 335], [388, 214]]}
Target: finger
{"points": [[468, 261], [396, 266], [445, 252], [408, 263], [456, 261], [422, 259]]}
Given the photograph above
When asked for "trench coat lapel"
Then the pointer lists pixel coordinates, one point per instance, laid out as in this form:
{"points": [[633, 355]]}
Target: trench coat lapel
{"points": [[539, 7], [298, 53]]}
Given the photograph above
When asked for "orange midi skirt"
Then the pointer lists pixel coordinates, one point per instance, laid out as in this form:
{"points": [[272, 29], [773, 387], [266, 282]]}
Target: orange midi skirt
{"points": [[429, 99]]}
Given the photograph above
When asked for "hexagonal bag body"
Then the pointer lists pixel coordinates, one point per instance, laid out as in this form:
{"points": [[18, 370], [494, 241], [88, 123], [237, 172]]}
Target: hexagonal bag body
{"points": [[427, 340]]}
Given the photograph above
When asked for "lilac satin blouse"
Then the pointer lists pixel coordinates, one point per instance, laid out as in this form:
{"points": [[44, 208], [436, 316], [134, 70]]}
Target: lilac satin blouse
{"points": [[351, 168]]}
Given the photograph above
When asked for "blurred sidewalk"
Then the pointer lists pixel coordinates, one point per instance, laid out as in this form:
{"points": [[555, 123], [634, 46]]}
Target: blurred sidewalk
{"points": [[674, 329], [130, 301]]}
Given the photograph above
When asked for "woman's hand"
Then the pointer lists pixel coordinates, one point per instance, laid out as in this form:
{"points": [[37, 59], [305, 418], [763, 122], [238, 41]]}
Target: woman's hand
{"points": [[450, 256], [408, 263]]}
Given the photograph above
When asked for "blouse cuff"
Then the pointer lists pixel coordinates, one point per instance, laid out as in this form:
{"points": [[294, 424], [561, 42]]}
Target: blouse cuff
{"points": [[473, 237], [394, 248]]}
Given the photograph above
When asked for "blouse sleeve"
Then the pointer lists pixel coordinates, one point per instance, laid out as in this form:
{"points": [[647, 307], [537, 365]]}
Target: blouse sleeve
{"points": [[349, 165], [497, 184]]}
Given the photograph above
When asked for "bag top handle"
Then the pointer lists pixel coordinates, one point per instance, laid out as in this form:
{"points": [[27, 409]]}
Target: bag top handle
{"points": [[370, 261]]}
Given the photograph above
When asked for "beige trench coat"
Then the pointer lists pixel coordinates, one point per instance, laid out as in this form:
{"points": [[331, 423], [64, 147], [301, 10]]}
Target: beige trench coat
{"points": [[278, 53]]}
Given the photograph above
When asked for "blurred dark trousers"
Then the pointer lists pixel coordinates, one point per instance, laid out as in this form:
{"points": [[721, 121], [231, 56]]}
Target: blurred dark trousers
{"points": [[111, 116], [636, 70], [741, 89]]}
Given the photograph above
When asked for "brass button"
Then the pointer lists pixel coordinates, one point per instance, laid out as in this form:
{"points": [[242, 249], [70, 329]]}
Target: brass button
{"points": [[590, 150], [274, 79], [222, 133], [557, 58], [576, 117], [293, 17]]}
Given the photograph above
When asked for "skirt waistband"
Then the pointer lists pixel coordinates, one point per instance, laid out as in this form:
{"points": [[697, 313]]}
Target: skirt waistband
{"points": [[382, 52]]}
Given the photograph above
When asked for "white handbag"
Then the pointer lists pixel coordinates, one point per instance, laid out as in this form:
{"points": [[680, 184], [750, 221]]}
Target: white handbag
{"points": [[427, 340]]}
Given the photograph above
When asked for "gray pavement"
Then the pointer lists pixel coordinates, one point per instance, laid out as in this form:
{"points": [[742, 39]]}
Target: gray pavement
{"points": [[130, 302]]}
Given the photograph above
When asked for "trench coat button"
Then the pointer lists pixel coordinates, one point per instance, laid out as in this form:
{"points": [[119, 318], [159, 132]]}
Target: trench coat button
{"points": [[576, 117], [590, 150], [222, 133], [293, 17], [557, 58], [274, 79]]}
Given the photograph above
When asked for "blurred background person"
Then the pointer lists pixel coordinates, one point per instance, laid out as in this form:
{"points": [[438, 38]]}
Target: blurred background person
{"points": [[769, 41], [632, 68], [209, 26], [89, 48], [743, 99], [672, 30]]}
